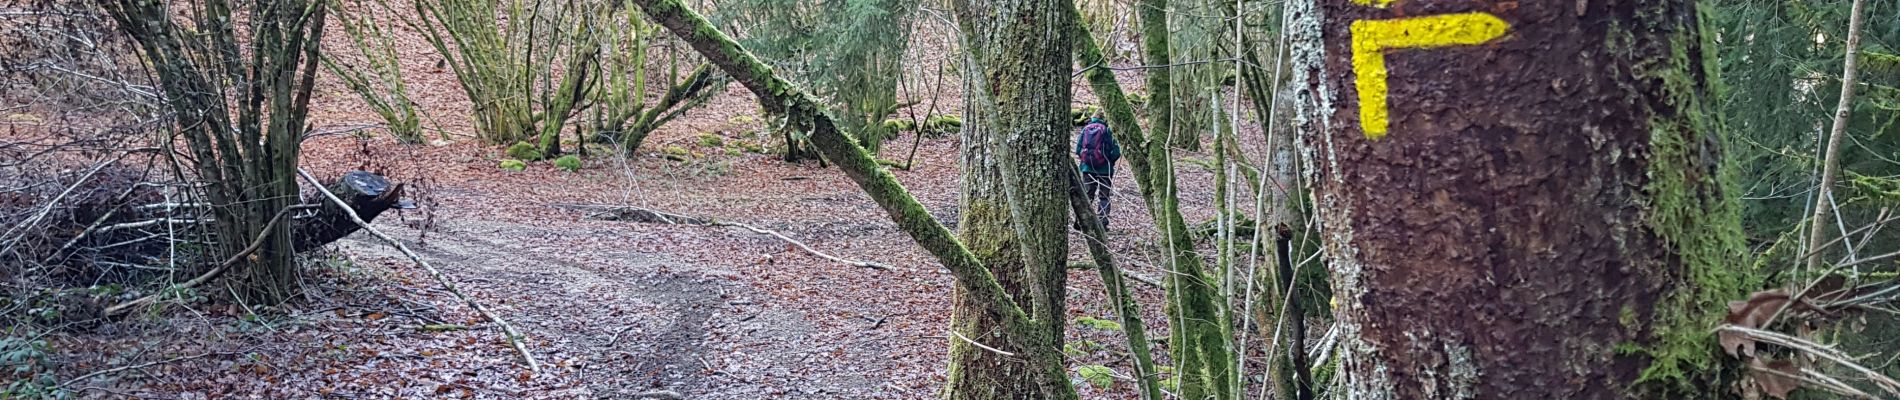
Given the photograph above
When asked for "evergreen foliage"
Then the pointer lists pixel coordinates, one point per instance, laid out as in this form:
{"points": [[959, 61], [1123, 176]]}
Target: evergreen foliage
{"points": [[849, 53], [1780, 65]]}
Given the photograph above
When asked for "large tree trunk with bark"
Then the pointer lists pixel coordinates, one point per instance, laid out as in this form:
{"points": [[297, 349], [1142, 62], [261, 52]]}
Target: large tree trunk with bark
{"points": [[1520, 200], [1015, 195], [986, 229]]}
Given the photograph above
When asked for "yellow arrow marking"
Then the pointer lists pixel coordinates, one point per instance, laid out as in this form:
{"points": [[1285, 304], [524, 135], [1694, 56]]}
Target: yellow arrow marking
{"points": [[1371, 38], [1374, 3]]}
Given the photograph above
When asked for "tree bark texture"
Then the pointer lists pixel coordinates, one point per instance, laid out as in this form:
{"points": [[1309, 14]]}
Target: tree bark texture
{"points": [[985, 228], [1518, 199], [1015, 150]]}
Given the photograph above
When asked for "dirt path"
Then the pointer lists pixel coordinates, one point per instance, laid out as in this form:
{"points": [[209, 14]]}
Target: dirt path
{"points": [[636, 322], [614, 309]]}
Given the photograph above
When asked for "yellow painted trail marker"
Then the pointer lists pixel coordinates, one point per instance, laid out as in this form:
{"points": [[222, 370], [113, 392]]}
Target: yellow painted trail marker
{"points": [[1374, 3], [1371, 38]]}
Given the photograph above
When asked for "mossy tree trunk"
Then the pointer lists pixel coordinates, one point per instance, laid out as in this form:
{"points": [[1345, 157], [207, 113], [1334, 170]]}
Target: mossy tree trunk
{"points": [[1154, 52], [1539, 209], [1015, 195], [974, 281], [1203, 357], [987, 229], [1195, 28]]}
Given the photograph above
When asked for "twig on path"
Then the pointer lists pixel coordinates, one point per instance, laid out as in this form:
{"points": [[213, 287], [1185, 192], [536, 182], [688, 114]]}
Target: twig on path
{"points": [[514, 337], [808, 249], [616, 337], [638, 214]]}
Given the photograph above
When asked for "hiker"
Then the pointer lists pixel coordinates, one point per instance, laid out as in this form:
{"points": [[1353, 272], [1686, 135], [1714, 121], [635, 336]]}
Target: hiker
{"points": [[1098, 152]]}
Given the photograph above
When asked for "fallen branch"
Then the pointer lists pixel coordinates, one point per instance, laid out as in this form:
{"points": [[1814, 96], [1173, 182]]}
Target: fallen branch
{"points": [[808, 249], [638, 214], [1817, 350], [514, 337], [256, 243], [980, 345]]}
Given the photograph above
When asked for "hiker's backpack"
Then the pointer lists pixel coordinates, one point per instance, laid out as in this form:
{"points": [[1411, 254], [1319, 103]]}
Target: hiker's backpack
{"points": [[1093, 147]]}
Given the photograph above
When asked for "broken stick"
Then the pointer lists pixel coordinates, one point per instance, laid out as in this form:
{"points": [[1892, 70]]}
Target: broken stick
{"points": [[514, 337]]}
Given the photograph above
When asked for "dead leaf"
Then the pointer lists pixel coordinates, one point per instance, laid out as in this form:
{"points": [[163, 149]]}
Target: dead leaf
{"points": [[1751, 313], [1775, 378]]}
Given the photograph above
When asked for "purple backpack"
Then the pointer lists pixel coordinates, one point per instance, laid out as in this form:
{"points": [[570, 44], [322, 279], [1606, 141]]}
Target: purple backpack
{"points": [[1093, 147]]}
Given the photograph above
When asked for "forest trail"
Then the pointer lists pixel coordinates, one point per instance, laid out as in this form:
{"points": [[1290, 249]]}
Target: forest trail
{"points": [[613, 309], [624, 314]]}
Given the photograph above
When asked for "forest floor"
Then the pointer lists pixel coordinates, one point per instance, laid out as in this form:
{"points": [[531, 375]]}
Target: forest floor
{"points": [[613, 309]]}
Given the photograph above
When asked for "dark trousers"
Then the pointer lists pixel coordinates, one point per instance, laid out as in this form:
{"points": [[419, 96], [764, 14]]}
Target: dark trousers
{"points": [[1099, 189]]}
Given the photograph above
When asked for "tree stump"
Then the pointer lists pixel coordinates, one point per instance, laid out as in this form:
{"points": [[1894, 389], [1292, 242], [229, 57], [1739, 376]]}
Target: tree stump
{"points": [[368, 194]]}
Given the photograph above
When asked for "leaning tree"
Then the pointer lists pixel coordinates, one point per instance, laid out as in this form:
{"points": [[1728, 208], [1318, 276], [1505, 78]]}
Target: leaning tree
{"points": [[1028, 327]]}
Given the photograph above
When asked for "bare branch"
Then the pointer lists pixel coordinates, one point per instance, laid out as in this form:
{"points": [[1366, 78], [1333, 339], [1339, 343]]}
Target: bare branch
{"points": [[515, 338]]}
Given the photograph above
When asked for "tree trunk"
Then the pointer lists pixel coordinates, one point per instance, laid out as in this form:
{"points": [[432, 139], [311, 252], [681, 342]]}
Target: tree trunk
{"points": [[1518, 202], [1154, 52], [368, 194], [242, 114], [1015, 196], [986, 228], [973, 279], [1196, 340]]}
